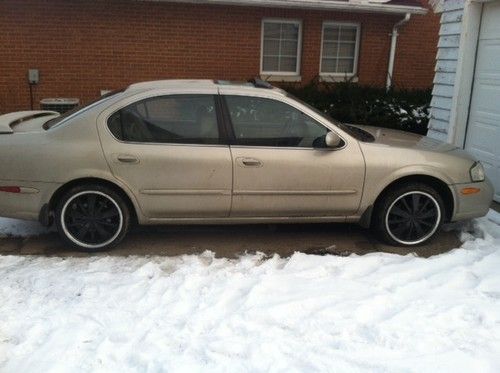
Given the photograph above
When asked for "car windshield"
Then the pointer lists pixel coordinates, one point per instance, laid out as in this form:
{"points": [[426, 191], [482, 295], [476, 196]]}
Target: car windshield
{"points": [[355, 132], [55, 121]]}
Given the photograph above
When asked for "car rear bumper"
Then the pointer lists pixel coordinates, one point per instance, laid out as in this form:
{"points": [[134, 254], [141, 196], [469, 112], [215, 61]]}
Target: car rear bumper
{"points": [[28, 203], [468, 206]]}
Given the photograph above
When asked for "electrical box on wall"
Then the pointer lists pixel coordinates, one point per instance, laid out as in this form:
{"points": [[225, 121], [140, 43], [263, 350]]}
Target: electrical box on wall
{"points": [[33, 76]]}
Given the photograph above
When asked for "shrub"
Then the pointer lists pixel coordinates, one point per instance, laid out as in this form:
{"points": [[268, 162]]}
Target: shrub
{"points": [[357, 104]]}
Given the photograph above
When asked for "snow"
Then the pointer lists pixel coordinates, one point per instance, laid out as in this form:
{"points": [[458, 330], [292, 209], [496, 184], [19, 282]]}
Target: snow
{"points": [[198, 313], [20, 228]]}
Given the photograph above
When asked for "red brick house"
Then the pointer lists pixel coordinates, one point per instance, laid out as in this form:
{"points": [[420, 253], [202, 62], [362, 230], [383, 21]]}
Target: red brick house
{"points": [[81, 47]]}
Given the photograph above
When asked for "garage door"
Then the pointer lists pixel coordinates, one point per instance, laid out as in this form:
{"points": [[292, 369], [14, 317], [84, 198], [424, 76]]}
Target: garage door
{"points": [[483, 130]]}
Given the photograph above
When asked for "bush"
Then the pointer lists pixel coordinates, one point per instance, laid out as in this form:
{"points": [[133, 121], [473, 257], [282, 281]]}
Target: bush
{"points": [[357, 104]]}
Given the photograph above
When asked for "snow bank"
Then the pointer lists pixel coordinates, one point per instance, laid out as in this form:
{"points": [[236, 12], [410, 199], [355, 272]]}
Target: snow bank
{"points": [[378, 312]]}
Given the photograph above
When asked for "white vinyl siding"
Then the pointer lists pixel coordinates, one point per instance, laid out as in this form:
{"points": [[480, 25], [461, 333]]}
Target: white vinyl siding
{"points": [[281, 45], [339, 49], [482, 138], [446, 65]]}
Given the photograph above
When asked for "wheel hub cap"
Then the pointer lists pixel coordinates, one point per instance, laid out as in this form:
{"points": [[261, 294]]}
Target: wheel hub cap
{"points": [[92, 219], [413, 217]]}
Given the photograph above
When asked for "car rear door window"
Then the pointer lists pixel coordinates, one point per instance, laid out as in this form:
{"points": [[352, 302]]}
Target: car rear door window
{"points": [[183, 119], [261, 121]]}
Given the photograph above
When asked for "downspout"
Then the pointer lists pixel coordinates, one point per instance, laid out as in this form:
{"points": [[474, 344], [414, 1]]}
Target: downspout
{"points": [[392, 53]]}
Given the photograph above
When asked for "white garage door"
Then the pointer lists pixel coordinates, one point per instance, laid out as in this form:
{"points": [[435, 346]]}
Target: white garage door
{"points": [[483, 130]]}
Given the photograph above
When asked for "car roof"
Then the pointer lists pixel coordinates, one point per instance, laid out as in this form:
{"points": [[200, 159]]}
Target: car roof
{"points": [[254, 84], [171, 83]]}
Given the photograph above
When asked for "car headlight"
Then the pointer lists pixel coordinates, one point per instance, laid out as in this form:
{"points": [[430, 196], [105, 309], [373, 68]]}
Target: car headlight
{"points": [[477, 172]]}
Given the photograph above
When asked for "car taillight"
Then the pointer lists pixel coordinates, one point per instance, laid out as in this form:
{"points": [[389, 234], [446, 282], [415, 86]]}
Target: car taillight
{"points": [[10, 189]]}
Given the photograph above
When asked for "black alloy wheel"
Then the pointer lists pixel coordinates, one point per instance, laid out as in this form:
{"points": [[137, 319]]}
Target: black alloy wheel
{"points": [[408, 215], [92, 219], [413, 217]]}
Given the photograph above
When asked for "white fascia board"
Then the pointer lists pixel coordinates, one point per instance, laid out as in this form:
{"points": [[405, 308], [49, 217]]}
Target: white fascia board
{"points": [[312, 4]]}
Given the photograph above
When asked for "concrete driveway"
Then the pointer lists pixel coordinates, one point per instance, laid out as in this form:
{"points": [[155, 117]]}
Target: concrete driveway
{"points": [[231, 241]]}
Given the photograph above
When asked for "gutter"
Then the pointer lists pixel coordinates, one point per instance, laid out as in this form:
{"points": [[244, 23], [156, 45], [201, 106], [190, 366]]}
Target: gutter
{"points": [[392, 52], [313, 4]]}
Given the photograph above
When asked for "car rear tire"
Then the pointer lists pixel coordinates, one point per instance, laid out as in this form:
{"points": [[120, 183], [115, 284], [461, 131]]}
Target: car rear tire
{"points": [[92, 218], [409, 215]]}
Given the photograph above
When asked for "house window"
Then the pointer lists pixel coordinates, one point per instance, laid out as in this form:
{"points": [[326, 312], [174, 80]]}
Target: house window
{"points": [[281, 41], [339, 49]]}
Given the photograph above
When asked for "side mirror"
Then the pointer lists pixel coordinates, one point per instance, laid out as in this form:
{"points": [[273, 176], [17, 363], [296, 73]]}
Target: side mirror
{"points": [[332, 140]]}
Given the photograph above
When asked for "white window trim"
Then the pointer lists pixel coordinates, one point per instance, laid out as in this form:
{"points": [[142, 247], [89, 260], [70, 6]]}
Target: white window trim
{"points": [[356, 49], [299, 47]]}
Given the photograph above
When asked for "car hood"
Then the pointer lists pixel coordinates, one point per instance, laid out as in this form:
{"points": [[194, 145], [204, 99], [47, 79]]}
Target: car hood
{"points": [[402, 139]]}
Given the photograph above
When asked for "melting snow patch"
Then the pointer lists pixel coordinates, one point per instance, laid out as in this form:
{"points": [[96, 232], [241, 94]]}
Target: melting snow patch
{"points": [[378, 312], [20, 228]]}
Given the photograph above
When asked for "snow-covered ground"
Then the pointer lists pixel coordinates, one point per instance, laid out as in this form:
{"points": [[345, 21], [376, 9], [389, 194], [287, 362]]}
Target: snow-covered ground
{"points": [[378, 312]]}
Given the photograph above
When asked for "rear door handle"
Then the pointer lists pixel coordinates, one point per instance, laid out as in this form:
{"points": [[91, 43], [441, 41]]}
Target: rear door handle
{"points": [[249, 162], [126, 158]]}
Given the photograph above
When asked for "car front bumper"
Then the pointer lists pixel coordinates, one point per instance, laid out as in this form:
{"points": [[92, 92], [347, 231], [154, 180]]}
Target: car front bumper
{"points": [[468, 206]]}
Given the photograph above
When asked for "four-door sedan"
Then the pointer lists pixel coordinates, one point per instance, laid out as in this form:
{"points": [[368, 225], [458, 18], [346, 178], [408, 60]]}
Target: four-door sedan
{"points": [[202, 152]]}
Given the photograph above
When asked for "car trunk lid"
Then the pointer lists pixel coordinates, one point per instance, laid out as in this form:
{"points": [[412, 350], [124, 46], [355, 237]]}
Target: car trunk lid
{"points": [[25, 121]]}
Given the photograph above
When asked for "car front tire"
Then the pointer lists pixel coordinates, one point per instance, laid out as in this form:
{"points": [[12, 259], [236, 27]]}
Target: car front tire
{"points": [[92, 218], [409, 215]]}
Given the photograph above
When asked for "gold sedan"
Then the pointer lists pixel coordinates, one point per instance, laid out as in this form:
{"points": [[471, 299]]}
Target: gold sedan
{"points": [[201, 152]]}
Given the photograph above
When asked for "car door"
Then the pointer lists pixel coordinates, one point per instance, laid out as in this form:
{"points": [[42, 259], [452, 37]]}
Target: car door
{"points": [[282, 167], [169, 149]]}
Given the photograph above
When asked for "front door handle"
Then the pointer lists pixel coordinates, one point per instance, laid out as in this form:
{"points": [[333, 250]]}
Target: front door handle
{"points": [[249, 162], [126, 158]]}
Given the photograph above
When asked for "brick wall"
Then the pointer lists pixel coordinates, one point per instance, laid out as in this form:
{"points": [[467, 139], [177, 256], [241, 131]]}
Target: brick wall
{"points": [[81, 47], [416, 51]]}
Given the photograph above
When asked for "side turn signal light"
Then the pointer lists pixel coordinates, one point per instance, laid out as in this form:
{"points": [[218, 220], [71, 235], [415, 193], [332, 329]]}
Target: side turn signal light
{"points": [[469, 191]]}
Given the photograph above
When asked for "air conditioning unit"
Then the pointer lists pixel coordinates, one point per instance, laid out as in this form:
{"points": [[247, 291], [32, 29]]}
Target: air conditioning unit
{"points": [[59, 104]]}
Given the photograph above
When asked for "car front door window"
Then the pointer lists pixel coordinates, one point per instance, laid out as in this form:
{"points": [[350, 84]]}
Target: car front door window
{"points": [[261, 121]]}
